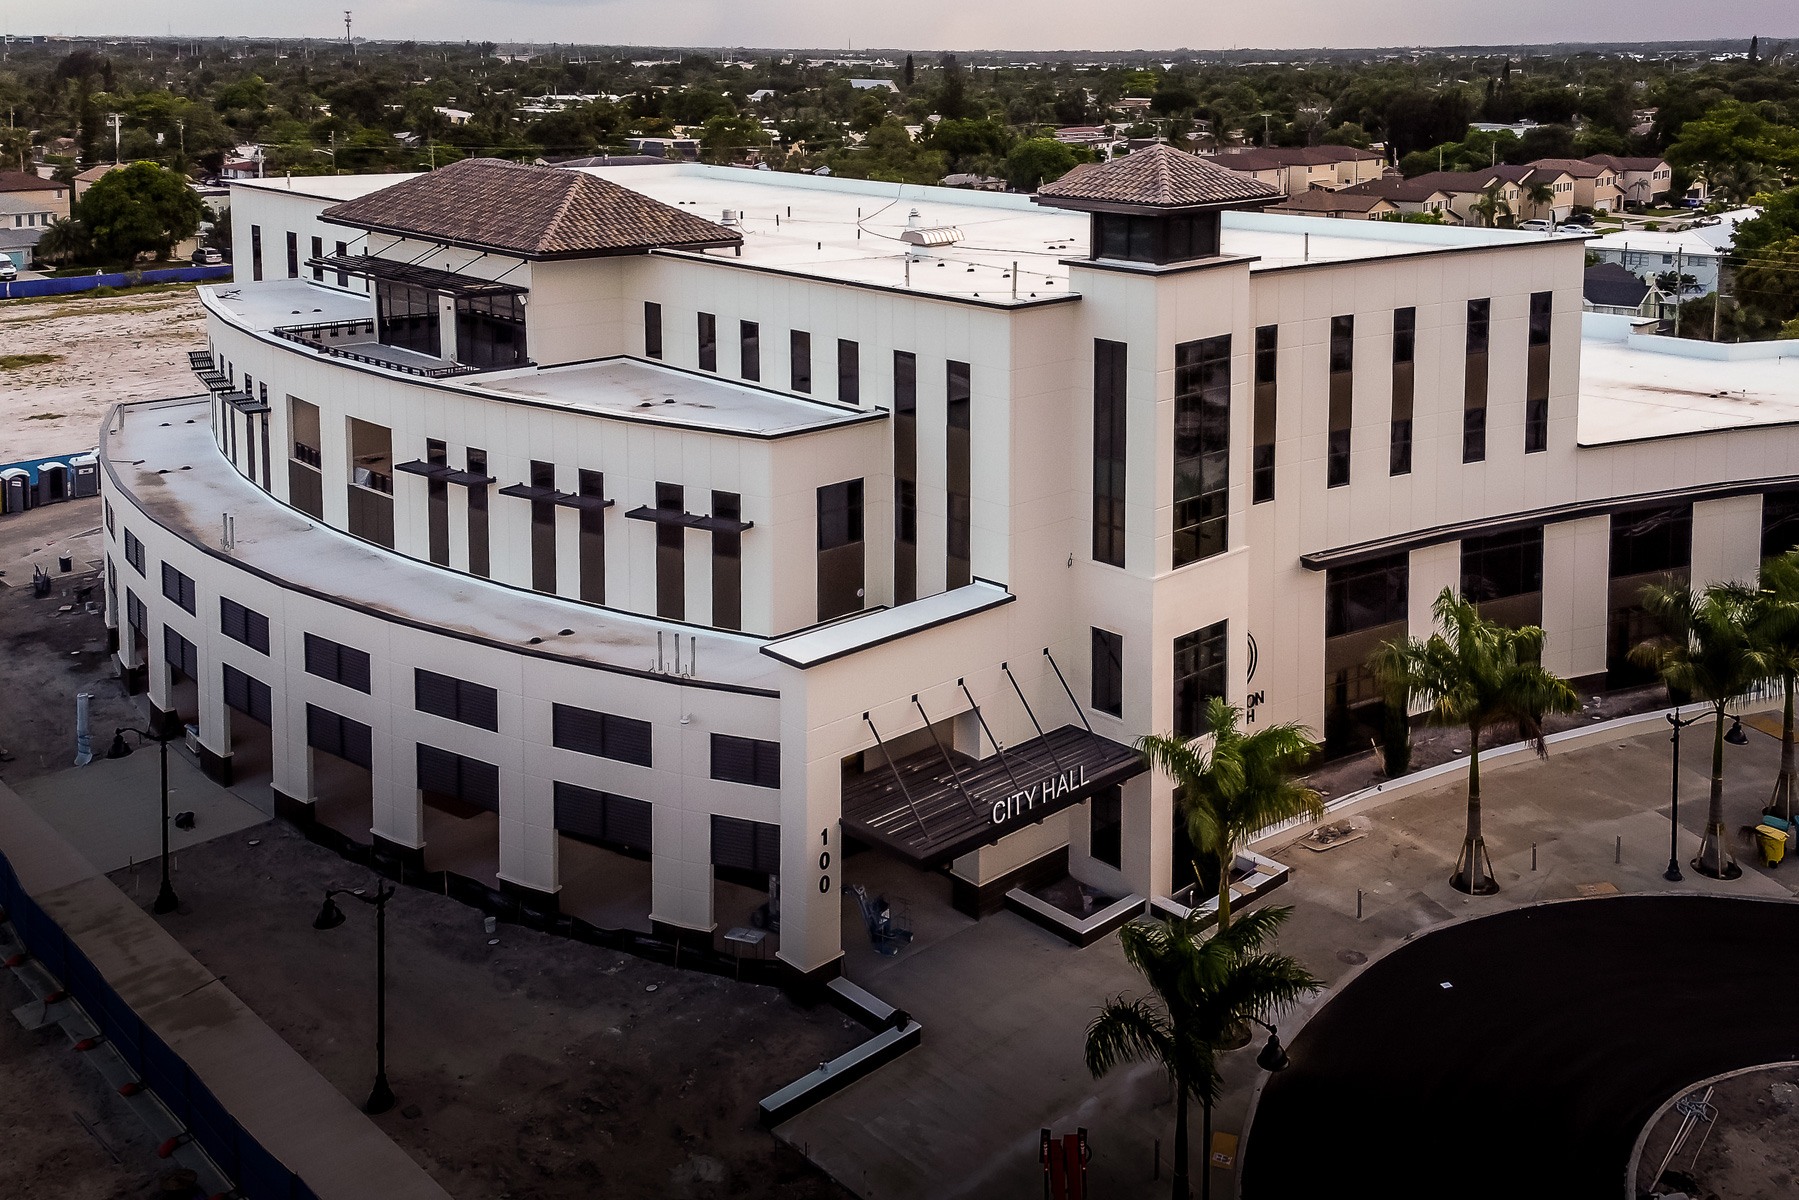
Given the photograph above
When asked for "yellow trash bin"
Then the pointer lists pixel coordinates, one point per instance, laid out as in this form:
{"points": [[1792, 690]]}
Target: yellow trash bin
{"points": [[1773, 844]]}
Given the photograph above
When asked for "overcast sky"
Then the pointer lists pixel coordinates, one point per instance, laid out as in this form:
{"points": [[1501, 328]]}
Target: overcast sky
{"points": [[930, 24]]}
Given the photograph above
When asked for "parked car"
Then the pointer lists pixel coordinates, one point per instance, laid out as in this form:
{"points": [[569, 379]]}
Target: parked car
{"points": [[206, 256], [8, 272], [1580, 219], [1536, 226]]}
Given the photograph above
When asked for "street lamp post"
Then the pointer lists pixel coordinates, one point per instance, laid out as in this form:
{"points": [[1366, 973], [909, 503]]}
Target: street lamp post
{"points": [[381, 1097], [1271, 1058], [166, 901], [1672, 874]]}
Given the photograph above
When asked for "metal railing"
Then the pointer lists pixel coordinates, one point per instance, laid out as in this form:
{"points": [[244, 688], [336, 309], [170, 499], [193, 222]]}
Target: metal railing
{"points": [[309, 455], [314, 337]]}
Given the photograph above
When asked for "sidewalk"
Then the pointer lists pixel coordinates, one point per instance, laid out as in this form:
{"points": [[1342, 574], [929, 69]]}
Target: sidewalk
{"points": [[1005, 1006]]}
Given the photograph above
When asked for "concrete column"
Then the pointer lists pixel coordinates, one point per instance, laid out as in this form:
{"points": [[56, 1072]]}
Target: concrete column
{"points": [[1576, 604], [681, 870], [1432, 568], [1727, 540], [215, 721], [527, 832], [1147, 838], [446, 327], [811, 857], [399, 811], [158, 684]]}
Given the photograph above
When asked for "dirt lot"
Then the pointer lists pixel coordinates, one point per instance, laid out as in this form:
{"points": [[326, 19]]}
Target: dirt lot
{"points": [[535, 1068], [1747, 1154], [103, 350]]}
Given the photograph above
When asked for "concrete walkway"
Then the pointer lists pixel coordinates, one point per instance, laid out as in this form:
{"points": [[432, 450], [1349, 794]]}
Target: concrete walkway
{"points": [[1005, 1005]]}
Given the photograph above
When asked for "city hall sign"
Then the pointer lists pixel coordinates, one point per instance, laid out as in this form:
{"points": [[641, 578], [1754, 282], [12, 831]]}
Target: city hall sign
{"points": [[1021, 803]]}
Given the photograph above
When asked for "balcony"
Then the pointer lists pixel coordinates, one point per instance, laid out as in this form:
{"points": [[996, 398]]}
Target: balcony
{"points": [[356, 340]]}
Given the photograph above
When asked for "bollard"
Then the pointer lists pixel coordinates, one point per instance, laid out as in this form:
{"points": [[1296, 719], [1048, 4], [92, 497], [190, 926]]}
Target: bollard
{"points": [[1358, 904], [1533, 856], [1618, 855]]}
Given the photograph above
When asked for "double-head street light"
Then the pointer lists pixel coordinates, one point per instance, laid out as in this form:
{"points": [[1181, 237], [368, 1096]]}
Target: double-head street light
{"points": [[381, 1098], [165, 895]]}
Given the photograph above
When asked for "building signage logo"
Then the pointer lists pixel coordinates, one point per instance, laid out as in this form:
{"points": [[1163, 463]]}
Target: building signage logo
{"points": [[1019, 803]]}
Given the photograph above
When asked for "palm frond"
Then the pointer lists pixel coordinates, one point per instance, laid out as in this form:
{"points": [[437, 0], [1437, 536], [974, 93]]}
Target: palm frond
{"points": [[1128, 1031]]}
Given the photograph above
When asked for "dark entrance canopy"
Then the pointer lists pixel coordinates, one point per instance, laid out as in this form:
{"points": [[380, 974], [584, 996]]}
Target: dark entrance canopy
{"points": [[929, 811], [430, 278]]}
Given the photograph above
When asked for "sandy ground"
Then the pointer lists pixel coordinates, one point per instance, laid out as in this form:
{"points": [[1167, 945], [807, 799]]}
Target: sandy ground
{"points": [[1746, 1154], [531, 1069], [109, 348]]}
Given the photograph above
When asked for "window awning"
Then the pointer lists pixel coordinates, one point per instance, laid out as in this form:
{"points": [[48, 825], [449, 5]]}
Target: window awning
{"points": [[244, 402], [444, 473], [928, 813], [674, 516], [526, 491], [590, 503], [392, 270]]}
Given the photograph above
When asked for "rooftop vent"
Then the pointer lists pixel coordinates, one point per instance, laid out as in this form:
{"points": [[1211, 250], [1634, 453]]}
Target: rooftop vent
{"points": [[917, 233], [729, 218]]}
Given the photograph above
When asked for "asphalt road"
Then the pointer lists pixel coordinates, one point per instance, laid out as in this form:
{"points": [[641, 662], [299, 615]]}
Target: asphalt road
{"points": [[1563, 1029]]}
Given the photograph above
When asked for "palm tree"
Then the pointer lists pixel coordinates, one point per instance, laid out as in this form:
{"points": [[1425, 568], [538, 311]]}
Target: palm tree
{"points": [[1539, 196], [1705, 651], [1235, 785], [1203, 992], [1774, 626], [1491, 208], [1476, 673], [63, 239]]}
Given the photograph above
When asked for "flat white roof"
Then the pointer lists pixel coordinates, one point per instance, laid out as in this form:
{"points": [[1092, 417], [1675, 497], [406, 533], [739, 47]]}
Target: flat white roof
{"points": [[1647, 387], [278, 302], [335, 188]]}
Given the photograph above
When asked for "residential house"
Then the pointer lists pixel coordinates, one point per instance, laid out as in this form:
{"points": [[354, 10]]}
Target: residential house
{"points": [[24, 194], [1642, 181], [1595, 184], [90, 177], [1408, 195], [1700, 252], [1610, 288], [1354, 206], [1296, 170]]}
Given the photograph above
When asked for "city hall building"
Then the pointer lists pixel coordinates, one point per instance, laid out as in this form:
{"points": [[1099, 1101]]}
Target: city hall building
{"points": [[641, 541]]}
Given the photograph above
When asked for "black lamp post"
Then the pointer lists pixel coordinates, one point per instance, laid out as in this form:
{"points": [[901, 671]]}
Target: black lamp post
{"points": [[381, 1098], [1672, 874], [165, 895], [1273, 1056]]}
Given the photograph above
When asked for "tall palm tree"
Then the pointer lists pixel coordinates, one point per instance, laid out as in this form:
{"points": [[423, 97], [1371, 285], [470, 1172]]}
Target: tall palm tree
{"points": [[1203, 991], [1477, 673], [1539, 196], [63, 239], [1492, 208], [1774, 627], [1234, 783], [1705, 651]]}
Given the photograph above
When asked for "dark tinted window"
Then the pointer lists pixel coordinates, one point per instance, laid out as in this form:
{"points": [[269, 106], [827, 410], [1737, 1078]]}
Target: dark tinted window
{"points": [[708, 342], [1645, 541], [746, 845], [849, 372], [603, 818], [336, 734], [340, 664], [467, 779], [247, 695], [243, 625], [606, 735], [456, 699], [1366, 595], [1202, 448], [746, 760], [1108, 672], [799, 359], [1199, 663], [749, 349], [1109, 360], [652, 330], [177, 587]]}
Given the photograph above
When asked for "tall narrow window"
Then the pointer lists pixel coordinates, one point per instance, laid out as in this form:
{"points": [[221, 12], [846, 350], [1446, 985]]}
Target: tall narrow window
{"points": [[343, 277], [1199, 662], [1405, 349], [1108, 672], [671, 556], [708, 342], [1202, 449], [905, 477], [318, 252], [799, 360], [437, 504], [593, 538], [652, 330], [543, 529], [1108, 451], [293, 255], [1536, 382], [1342, 385], [1261, 481], [256, 253], [840, 557], [1474, 388], [727, 563], [477, 514], [749, 342], [958, 421], [849, 372]]}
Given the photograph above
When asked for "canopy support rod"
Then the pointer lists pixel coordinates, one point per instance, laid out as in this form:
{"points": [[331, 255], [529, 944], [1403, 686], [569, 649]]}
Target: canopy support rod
{"points": [[947, 760], [1077, 704], [888, 755], [998, 747], [1033, 716]]}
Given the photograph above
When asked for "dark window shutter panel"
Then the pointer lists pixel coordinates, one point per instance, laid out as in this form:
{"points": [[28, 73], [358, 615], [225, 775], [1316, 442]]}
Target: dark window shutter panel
{"points": [[628, 821], [731, 758], [577, 729], [733, 843], [321, 657], [627, 739], [768, 847], [322, 730], [358, 743], [580, 811], [171, 587], [188, 598], [171, 646], [768, 764], [437, 771], [478, 705], [237, 689], [434, 693], [256, 631], [231, 620], [353, 668], [480, 783]]}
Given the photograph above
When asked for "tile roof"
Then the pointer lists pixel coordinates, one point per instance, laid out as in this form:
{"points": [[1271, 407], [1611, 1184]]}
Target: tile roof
{"points": [[1322, 201], [528, 212], [1269, 158], [21, 181], [1410, 191], [1158, 176], [1618, 163], [1577, 167], [1613, 286]]}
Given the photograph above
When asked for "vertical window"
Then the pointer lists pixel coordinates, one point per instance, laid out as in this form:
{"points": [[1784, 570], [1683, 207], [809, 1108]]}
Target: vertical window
{"points": [[318, 252], [799, 360], [840, 558], [746, 760], [1198, 676], [256, 253], [244, 625], [727, 563], [749, 339], [849, 372], [1342, 388], [1536, 383], [1474, 393], [1108, 672], [177, 587], [1405, 349], [958, 420], [905, 477], [437, 504], [671, 556], [343, 277], [262, 423], [593, 537], [249, 439], [293, 255], [1108, 451], [1105, 830], [477, 513], [543, 529], [1261, 489], [708, 342], [1202, 448], [652, 330]]}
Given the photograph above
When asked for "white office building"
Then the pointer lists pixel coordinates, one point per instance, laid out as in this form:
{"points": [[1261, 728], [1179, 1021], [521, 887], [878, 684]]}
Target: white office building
{"points": [[637, 543]]}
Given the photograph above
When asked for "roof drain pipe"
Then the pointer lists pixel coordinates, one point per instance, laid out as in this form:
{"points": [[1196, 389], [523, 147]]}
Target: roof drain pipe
{"points": [[660, 669]]}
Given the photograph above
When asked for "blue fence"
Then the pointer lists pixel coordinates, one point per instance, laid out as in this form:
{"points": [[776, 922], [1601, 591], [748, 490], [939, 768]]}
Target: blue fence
{"points": [[68, 284], [259, 1175]]}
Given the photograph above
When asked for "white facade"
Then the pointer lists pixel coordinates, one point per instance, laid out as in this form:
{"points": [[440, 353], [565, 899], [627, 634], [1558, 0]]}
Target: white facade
{"points": [[1016, 307]]}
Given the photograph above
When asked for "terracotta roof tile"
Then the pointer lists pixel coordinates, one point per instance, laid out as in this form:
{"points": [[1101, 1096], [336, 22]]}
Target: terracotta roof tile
{"points": [[20, 181], [1158, 176], [530, 212]]}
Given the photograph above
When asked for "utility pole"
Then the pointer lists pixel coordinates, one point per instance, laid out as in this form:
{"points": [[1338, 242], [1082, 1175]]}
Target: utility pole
{"points": [[349, 42], [115, 120], [182, 127]]}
